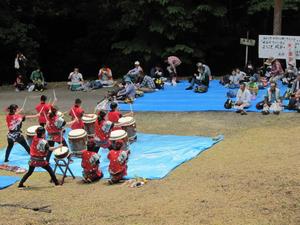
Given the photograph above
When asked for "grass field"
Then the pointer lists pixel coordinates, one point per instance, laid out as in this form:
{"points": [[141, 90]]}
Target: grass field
{"points": [[252, 177]]}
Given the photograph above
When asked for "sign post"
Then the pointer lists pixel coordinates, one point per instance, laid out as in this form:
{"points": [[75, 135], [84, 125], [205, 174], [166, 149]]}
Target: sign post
{"points": [[247, 42]]}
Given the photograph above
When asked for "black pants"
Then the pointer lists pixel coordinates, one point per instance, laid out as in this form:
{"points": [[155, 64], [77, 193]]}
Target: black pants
{"points": [[21, 140], [42, 124], [51, 144], [30, 171]]}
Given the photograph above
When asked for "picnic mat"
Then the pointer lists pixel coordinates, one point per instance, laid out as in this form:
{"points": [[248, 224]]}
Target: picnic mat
{"points": [[152, 156], [6, 181], [177, 99]]}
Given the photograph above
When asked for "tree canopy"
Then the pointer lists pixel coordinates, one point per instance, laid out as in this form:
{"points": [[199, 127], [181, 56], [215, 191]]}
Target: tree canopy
{"points": [[58, 35]]}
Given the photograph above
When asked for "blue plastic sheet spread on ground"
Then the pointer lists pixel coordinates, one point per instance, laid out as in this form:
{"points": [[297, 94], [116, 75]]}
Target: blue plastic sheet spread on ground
{"points": [[153, 156], [6, 181], [177, 99]]}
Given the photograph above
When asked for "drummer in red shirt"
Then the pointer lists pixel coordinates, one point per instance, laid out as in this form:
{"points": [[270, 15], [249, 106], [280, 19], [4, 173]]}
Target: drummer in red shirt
{"points": [[118, 162], [114, 115], [76, 113], [55, 128], [91, 163], [14, 122], [43, 109], [103, 129], [38, 153]]}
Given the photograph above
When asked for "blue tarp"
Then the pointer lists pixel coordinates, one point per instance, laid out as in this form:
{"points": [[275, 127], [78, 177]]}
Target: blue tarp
{"points": [[6, 181], [153, 156], [177, 99]]}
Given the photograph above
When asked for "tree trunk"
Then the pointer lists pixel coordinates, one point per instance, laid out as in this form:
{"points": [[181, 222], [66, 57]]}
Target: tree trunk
{"points": [[277, 17]]}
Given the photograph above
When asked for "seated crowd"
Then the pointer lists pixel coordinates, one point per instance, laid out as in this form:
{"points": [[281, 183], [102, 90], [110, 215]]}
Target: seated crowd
{"points": [[268, 77]]}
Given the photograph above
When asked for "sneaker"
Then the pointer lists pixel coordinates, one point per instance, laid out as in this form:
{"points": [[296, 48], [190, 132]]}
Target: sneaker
{"points": [[22, 187], [17, 90], [276, 112], [189, 88], [264, 112], [238, 111]]}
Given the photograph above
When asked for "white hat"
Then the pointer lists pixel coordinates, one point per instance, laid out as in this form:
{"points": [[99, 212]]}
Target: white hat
{"points": [[199, 64], [137, 63]]}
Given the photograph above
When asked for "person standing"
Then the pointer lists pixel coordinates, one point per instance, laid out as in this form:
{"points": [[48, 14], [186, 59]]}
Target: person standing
{"points": [[20, 63]]}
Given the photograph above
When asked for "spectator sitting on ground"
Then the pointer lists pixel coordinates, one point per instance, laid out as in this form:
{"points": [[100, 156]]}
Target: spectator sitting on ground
{"points": [[252, 86], [243, 99], [19, 83], [77, 81], [127, 92], [156, 71], [147, 84], [290, 74], [272, 101], [294, 102], [105, 76], [134, 73], [37, 79], [249, 69], [201, 77], [235, 79], [276, 70]]}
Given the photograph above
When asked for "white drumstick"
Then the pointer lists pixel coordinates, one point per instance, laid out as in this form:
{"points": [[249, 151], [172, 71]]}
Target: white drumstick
{"points": [[74, 114], [54, 94], [131, 108], [25, 100]]}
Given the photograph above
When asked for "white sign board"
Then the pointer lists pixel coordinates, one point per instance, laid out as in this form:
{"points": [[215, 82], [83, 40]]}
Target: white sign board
{"points": [[277, 46], [247, 42]]}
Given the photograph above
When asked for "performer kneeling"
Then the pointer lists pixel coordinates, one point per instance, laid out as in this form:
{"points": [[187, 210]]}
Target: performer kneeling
{"points": [[103, 129], [118, 162], [38, 152], [90, 163]]}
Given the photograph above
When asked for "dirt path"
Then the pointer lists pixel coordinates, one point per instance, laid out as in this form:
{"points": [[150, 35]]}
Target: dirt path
{"points": [[252, 177]]}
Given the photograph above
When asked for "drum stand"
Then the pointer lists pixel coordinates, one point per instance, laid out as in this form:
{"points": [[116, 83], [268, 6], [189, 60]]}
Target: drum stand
{"points": [[64, 167]]}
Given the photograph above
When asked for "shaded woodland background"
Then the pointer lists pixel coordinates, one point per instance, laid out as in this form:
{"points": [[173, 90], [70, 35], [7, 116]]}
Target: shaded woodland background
{"points": [[58, 35]]}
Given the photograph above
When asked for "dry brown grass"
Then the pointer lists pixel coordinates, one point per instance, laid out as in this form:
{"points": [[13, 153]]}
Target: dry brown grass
{"points": [[252, 177]]}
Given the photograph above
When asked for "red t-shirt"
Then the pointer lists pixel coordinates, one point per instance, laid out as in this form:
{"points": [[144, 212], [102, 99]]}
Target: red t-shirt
{"points": [[76, 111], [43, 108], [14, 122], [114, 116], [115, 165], [37, 149], [88, 162], [77, 125]]}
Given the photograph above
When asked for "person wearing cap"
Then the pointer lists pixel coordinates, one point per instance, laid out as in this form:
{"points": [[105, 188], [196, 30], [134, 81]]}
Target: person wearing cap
{"points": [[243, 99], [127, 93], [90, 163], [147, 84], [117, 162], [134, 73], [201, 77], [14, 122], [105, 76], [38, 152]]}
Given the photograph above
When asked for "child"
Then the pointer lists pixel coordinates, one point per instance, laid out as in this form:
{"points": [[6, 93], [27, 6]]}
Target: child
{"points": [[114, 115], [76, 112], [103, 129], [43, 109], [253, 87], [55, 126], [38, 152], [118, 162], [90, 163], [14, 124], [19, 83]]}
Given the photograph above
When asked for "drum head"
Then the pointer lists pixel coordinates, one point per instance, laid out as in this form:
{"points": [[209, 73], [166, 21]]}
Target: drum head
{"points": [[62, 151], [128, 120], [77, 133], [91, 119], [117, 135], [31, 130]]}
